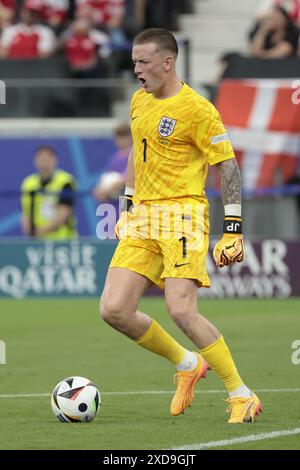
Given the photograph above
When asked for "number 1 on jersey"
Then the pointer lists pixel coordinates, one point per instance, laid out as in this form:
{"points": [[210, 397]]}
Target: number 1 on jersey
{"points": [[183, 240], [145, 150]]}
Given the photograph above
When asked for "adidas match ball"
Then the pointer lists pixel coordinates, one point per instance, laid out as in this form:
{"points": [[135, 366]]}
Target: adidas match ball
{"points": [[75, 399]]}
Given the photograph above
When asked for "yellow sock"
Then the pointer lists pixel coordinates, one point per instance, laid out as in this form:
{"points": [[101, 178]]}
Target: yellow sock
{"points": [[218, 356], [157, 340]]}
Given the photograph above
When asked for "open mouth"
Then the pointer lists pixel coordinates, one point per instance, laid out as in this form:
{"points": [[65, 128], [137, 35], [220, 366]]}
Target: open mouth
{"points": [[142, 81]]}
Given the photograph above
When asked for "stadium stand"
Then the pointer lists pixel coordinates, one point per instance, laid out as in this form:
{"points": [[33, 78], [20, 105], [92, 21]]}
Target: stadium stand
{"points": [[96, 46]]}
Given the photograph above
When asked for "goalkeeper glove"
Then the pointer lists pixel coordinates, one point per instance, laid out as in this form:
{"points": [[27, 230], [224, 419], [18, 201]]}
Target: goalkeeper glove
{"points": [[125, 206], [230, 249]]}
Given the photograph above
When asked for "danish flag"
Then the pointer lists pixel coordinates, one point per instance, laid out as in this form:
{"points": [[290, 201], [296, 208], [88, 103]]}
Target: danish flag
{"points": [[262, 118]]}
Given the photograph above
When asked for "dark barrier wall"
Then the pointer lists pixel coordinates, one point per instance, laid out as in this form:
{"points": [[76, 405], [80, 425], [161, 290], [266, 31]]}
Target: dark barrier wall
{"points": [[38, 88], [246, 67], [271, 269], [85, 158]]}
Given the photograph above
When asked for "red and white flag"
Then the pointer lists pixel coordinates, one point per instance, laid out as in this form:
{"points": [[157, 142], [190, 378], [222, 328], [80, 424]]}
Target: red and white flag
{"points": [[262, 118]]}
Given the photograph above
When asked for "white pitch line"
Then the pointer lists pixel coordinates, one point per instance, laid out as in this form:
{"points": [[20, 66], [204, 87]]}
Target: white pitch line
{"points": [[239, 440], [152, 392], [24, 395]]}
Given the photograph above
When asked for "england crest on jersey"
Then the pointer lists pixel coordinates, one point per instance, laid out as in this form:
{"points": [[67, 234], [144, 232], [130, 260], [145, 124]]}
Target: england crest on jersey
{"points": [[166, 126]]}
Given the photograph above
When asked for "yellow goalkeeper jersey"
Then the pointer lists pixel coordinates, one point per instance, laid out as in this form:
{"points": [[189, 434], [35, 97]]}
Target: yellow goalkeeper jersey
{"points": [[174, 141]]}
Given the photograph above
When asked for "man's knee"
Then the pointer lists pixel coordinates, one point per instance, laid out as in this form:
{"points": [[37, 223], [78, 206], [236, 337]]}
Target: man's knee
{"points": [[181, 309], [179, 316], [112, 311]]}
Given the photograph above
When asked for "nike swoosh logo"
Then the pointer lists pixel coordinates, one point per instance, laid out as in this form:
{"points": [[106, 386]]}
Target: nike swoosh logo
{"points": [[133, 118], [178, 265]]}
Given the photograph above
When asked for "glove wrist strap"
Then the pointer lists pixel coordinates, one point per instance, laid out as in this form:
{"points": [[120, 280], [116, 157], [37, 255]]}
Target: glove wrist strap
{"points": [[125, 203], [232, 224]]}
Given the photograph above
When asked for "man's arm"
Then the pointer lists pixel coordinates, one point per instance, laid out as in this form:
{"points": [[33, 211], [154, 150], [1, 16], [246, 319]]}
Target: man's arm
{"points": [[130, 171], [230, 248], [284, 49], [126, 200], [230, 181], [25, 224], [257, 46], [63, 213], [65, 207], [28, 210]]}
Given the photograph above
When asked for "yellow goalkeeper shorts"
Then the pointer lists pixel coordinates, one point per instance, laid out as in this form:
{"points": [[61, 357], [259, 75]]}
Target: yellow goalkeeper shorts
{"points": [[173, 253]]}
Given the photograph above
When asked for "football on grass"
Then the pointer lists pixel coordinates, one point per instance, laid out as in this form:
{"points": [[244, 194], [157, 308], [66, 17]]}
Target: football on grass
{"points": [[75, 400]]}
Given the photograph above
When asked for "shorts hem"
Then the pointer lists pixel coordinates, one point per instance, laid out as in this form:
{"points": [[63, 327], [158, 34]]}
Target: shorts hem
{"points": [[139, 271], [198, 281]]}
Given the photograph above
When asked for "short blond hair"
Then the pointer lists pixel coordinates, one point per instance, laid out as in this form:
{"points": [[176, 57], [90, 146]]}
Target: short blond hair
{"points": [[163, 39]]}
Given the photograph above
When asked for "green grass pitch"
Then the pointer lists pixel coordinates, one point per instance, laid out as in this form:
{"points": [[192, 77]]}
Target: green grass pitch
{"points": [[47, 340]]}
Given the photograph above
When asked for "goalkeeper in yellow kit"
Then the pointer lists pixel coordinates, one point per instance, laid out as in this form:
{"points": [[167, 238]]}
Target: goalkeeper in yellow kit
{"points": [[164, 226]]}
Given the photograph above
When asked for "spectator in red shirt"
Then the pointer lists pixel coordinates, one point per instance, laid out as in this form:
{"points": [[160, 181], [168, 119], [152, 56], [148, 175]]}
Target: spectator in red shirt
{"points": [[108, 15], [86, 50], [84, 46], [102, 11], [28, 39], [55, 12]]}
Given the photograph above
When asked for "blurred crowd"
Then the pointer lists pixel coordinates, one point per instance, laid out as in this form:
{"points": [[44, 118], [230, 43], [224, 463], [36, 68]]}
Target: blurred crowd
{"points": [[84, 31], [275, 34], [88, 32]]}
